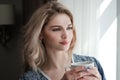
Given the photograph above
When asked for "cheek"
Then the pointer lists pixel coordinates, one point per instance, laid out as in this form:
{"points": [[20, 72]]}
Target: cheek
{"points": [[70, 35], [50, 37]]}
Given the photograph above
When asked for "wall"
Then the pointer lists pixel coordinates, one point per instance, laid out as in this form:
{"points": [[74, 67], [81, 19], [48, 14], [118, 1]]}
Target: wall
{"points": [[10, 60], [118, 41], [29, 6]]}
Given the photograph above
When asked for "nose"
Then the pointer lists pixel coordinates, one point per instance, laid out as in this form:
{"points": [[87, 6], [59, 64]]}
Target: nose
{"points": [[64, 34]]}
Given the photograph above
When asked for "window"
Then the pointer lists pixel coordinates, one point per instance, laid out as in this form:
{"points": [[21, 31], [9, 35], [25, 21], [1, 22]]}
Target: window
{"points": [[96, 26]]}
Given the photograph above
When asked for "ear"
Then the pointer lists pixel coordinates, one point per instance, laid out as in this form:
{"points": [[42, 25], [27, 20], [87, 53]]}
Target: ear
{"points": [[40, 36]]}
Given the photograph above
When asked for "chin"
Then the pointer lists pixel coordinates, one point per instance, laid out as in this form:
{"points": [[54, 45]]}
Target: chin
{"points": [[65, 49]]}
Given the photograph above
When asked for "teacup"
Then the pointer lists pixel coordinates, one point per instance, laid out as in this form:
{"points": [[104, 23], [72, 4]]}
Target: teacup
{"points": [[87, 64]]}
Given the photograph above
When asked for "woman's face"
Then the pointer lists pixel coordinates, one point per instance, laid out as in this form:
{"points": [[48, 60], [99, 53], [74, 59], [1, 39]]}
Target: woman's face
{"points": [[58, 33]]}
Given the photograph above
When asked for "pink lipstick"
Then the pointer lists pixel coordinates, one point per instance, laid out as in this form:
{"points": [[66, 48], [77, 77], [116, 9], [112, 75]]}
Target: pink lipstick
{"points": [[64, 43]]}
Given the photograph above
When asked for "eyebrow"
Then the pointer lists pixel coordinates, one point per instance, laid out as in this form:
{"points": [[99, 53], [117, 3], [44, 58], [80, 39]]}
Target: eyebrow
{"points": [[70, 25], [55, 26], [59, 25]]}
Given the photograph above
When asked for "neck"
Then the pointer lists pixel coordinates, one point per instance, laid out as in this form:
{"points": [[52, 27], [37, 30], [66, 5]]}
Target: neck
{"points": [[58, 60], [57, 64]]}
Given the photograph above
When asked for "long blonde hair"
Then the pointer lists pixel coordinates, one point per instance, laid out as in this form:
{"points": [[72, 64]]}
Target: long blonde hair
{"points": [[33, 49]]}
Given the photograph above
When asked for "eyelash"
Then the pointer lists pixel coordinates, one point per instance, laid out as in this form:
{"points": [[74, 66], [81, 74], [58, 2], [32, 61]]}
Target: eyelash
{"points": [[58, 29], [69, 28]]}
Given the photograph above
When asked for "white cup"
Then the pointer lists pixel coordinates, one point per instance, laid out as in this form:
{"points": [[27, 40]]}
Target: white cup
{"points": [[87, 64]]}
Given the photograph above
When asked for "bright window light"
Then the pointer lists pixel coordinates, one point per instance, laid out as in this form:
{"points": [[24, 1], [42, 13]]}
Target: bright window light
{"points": [[107, 51], [104, 5]]}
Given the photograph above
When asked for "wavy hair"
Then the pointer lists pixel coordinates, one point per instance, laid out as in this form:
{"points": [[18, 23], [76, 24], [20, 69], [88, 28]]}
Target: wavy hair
{"points": [[33, 48]]}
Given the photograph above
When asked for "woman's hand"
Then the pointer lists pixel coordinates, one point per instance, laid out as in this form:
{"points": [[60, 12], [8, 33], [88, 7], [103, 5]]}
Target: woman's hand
{"points": [[81, 73]]}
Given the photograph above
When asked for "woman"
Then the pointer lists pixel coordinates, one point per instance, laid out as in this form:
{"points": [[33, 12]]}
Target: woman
{"points": [[49, 38]]}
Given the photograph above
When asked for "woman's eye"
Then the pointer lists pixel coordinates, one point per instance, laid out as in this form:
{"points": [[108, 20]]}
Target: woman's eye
{"points": [[56, 29], [69, 28]]}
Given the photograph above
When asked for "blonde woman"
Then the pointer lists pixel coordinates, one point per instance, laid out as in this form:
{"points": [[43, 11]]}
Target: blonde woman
{"points": [[49, 38]]}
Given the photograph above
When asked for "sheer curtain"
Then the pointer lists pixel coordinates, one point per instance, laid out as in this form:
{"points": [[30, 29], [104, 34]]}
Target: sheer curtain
{"points": [[96, 25], [87, 26]]}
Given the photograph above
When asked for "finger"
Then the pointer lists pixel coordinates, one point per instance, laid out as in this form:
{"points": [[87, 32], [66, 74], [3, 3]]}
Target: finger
{"points": [[89, 78], [79, 69], [94, 72], [91, 73], [84, 73], [71, 74]]}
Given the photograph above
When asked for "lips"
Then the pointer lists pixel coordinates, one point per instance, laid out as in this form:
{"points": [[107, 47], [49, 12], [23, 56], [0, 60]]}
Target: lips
{"points": [[64, 43]]}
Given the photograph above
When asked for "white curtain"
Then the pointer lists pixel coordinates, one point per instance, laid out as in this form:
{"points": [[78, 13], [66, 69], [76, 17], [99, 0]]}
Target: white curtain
{"points": [[87, 27], [96, 25], [85, 15]]}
